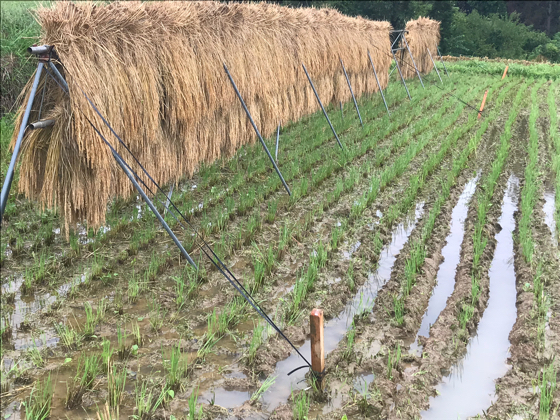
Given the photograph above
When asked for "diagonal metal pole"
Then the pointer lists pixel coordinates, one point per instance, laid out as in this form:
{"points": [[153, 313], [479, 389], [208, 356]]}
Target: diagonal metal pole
{"points": [[402, 78], [351, 92], [256, 130], [442, 62], [322, 107], [379, 84], [277, 141], [413, 62], [10, 174], [154, 210], [435, 67]]}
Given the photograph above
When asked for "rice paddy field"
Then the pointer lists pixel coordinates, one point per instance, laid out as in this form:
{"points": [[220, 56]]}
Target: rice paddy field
{"points": [[430, 242]]}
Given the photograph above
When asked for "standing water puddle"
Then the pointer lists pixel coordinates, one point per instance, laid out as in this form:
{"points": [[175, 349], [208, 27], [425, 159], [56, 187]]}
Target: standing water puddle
{"points": [[470, 387], [448, 268], [335, 329], [548, 209]]}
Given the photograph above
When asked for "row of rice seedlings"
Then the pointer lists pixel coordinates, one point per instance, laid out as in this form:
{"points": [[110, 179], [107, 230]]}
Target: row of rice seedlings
{"points": [[417, 255], [529, 191], [231, 314], [300, 405], [555, 140], [176, 367], [546, 388], [483, 205], [302, 286]]}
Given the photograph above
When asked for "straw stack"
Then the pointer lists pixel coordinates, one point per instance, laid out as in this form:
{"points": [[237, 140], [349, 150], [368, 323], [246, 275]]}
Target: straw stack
{"points": [[423, 34], [155, 72]]}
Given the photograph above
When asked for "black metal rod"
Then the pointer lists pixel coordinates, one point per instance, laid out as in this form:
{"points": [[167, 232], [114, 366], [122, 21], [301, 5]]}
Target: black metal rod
{"points": [[435, 67], [442, 62], [277, 141], [413, 62], [10, 173], [402, 78], [378, 84], [351, 92], [154, 210], [256, 129], [322, 107]]}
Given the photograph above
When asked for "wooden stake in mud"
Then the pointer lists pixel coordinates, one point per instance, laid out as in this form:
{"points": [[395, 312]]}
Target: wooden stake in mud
{"points": [[317, 342], [483, 102], [505, 72]]}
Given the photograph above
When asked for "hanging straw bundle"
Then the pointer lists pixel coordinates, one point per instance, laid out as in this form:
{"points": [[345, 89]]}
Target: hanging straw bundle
{"points": [[155, 72], [423, 34]]}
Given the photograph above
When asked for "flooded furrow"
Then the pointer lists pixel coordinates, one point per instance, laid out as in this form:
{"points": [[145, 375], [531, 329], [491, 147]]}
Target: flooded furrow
{"points": [[336, 328], [470, 386], [548, 209], [451, 253]]}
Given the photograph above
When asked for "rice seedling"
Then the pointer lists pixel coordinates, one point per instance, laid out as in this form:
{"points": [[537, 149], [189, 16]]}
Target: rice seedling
{"points": [[38, 404], [300, 406], [398, 308], [116, 382], [135, 286], [108, 413], [350, 337], [268, 382], [393, 359], [350, 276], [256, 341], [35, 355], [272, 209], [147, 402], [194, 412], [157, 315], [123, 349], [91, 321], [336, 236], [547, 387], [106, 354], [88, 369], [136, 334], [69, 337], [176, 368]]}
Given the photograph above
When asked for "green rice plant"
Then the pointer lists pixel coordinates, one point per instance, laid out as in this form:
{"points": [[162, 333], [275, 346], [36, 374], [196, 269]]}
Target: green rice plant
{"points": [[194, 412], [157, 315], [135, 286], [398, 308], [101, 309], [350, 337], [259, 273], [136, 333], [393, 359], [256, 341], [106, 354], [272, 209], [116, 382], [300, 406], [210, 340], [35, 355], [336, 236], [147, 402], [69, 337], [123, 349], [465, 315], [183, 291], [284, 242], [268, 382], [246, 201], [155, 267], [350, 277], [321, 255], [547, 387], [88, 369], [38, 404], [91, 321], [176, 368]]}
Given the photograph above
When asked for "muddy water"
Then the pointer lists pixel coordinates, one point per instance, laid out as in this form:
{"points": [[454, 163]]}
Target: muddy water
{"points": [[548, 208], [451, 252], [470, 387], [336, 328]]}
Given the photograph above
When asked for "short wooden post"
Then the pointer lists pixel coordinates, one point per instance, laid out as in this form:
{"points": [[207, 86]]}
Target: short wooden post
{"points": [[505, 72], [483, 102], [317, 342]]}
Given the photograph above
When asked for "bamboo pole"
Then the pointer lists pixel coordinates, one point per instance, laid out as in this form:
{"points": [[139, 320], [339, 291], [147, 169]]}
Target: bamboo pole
{"points": [[505, 72], [482, 105], [317, 342]]}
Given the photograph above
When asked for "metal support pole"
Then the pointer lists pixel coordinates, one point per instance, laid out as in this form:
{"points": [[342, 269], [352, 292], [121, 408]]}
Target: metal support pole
{"points": [[379, 84], [435, 67], [322, 107], [256, 129], [442, 62], [277, 141], [413, 62], [351, 92], [59, 76], [154, 210], [10, 174], [402, 78]]}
